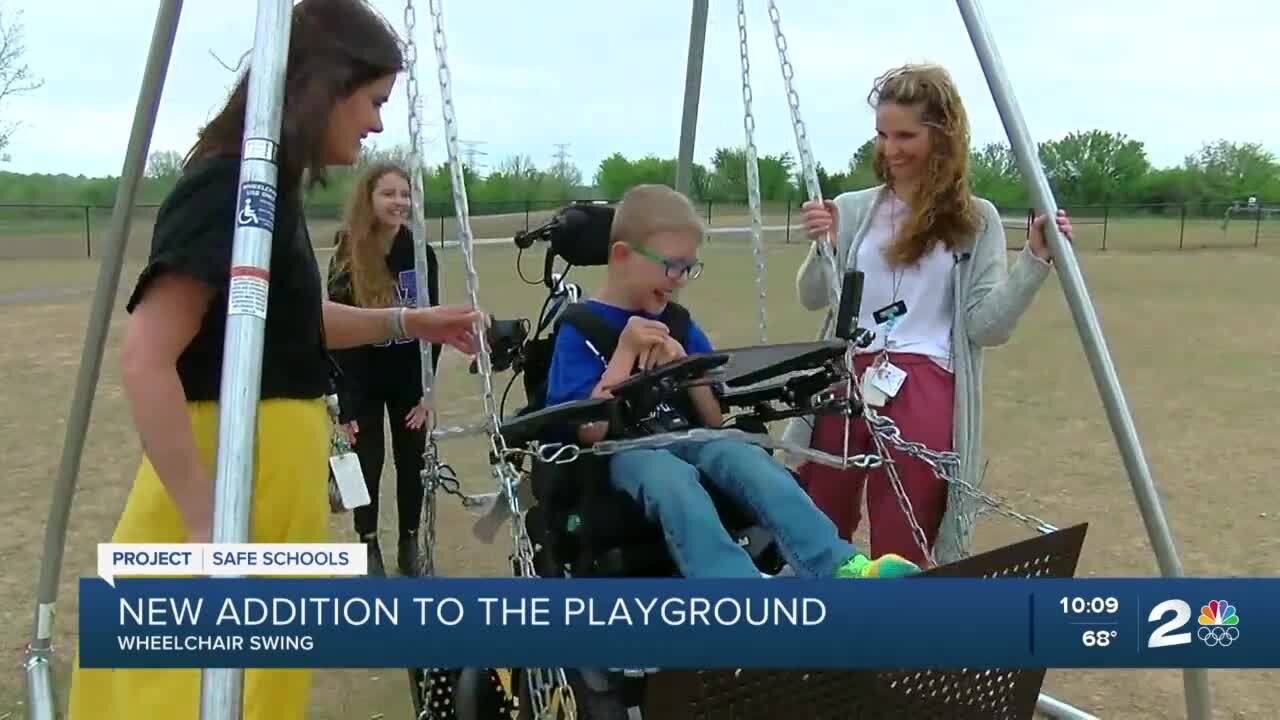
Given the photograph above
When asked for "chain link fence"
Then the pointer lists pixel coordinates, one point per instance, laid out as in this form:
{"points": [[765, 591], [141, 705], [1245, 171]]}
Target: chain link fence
{"points": [[55, 231]]}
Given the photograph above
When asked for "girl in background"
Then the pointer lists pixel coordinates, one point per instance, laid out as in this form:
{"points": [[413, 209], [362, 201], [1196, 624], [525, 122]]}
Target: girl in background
{"points": [[373, 267]]}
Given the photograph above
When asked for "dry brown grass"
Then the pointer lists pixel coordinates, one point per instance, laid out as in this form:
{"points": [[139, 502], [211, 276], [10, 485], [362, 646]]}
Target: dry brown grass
{"points": [[1191, 335]]}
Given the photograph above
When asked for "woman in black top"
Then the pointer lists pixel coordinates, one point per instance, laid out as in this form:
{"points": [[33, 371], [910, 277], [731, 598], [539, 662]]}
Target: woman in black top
{"points": [[342, 63], [374, 266]]}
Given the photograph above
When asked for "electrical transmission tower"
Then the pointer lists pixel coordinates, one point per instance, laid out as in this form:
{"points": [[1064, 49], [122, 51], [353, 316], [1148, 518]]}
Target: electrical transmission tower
{"points": [[472, 153]]}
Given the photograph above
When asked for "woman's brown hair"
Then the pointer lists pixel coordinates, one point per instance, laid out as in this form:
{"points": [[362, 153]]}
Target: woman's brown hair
{"points": [[942, 209], [358, 253], [335, 48]]}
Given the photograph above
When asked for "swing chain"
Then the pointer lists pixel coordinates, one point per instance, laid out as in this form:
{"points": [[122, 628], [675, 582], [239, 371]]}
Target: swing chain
{"points": [[564, 453], [753, 169], [890, 468], [414, 101], [808, 167], [946, 466], [462, 212], [411, 63], [503, 471], [430, 481]]}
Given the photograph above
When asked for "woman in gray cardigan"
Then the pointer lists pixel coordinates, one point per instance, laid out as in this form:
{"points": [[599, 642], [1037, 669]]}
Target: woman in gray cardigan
{"points": [[937, 290]]}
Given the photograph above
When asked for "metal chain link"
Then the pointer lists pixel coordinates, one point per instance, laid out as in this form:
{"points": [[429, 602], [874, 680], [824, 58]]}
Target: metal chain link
{"points": [[504, 473], [753, 169], [463, 215], [945, 465], [564, 453], [418, 202], [808, 167], [430, 454]]}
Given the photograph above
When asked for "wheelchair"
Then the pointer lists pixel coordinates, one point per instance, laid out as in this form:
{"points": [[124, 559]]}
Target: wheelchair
{"points": [[582, 527], [579, 524]]}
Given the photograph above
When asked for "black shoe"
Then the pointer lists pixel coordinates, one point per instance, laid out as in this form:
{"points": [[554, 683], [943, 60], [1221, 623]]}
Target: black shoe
{"points": [[376, 568], [408, 557]]}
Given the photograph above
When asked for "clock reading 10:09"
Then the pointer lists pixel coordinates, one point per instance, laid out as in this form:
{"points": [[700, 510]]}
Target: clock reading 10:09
{"points": [[1089, 605]]}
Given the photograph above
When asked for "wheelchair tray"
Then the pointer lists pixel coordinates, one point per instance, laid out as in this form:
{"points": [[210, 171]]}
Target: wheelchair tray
{"points": [[534, 426], [750, 365], [687, 368]]}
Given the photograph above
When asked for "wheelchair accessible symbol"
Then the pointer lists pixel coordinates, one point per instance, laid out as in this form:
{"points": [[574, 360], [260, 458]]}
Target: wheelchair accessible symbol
{"points": [[257, 206]]}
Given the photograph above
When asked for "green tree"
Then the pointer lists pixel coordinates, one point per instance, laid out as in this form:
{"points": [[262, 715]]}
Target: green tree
{"points": [[15, 75], [1226, 170], [1093, 167], [993, 174]]}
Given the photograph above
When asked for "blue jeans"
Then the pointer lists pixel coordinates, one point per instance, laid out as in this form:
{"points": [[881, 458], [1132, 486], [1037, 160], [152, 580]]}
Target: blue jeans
{"points": [[666, 482]]}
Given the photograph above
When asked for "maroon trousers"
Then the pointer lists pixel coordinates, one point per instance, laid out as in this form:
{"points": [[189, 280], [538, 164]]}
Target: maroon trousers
{"points": [[922, 410]]}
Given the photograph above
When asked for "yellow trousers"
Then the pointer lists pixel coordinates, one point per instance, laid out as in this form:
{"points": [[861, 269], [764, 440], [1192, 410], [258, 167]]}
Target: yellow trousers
{"points": [[290, 504]]}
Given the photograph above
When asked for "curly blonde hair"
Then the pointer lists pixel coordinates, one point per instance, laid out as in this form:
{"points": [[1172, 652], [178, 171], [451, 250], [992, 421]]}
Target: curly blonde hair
{"points": [[942, 209], [357, 253]]}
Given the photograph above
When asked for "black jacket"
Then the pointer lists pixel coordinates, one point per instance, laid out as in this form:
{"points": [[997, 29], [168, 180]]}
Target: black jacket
{"points": [[368, 369]]}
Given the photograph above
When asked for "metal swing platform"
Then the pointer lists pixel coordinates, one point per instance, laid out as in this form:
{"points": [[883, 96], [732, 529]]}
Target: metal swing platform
{"points": [[919, 694]]}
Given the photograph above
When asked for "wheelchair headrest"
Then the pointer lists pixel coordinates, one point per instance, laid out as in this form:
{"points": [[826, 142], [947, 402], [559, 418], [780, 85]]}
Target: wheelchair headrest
{"points": [[578, 233]]}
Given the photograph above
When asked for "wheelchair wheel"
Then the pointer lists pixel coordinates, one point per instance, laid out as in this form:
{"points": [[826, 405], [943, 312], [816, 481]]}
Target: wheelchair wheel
{"points": [[608, 704]]}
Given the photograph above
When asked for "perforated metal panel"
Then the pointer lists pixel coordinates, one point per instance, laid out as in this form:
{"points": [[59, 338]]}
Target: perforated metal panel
{"points": [[980, 694]]}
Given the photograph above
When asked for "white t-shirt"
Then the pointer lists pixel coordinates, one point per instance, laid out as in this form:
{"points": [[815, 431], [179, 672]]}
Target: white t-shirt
{"points": [[926, 289]]}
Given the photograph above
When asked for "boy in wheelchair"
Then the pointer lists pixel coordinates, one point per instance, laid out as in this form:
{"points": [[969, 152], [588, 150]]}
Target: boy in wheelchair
{"points": [[653, 245]]}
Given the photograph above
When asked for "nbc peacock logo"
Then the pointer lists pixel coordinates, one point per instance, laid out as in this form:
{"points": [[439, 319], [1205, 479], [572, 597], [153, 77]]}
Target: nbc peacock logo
{"points": [[1218, 624]]}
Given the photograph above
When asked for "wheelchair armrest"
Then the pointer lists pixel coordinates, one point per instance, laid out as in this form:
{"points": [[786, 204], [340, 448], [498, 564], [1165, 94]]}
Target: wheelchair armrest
{"points": [[535, 425]]}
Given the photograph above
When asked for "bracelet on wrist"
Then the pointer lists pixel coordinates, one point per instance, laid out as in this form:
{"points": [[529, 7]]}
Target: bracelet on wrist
{"points": [[398, 331]]}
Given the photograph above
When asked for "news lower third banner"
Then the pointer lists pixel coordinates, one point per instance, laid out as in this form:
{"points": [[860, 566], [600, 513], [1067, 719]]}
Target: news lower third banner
{"points": [[919, 622]]}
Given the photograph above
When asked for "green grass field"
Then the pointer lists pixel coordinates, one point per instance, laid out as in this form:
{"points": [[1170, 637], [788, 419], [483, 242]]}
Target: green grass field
{"points": [[1201, 374]]}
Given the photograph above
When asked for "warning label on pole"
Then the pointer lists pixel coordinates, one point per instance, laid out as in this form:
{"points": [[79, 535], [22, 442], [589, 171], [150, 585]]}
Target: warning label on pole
{"points": [[248, 293]]}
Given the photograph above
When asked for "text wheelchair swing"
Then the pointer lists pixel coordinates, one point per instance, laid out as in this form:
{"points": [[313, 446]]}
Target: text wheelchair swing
{"points": [[566, 521]]}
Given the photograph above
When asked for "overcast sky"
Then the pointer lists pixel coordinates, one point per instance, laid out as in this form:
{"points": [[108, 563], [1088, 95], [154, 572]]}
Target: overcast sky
{"points": [[606, 75]]}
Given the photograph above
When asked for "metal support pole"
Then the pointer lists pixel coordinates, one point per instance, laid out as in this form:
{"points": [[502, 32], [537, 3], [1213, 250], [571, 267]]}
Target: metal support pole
{"points": [[222, 689], [692, 90], [1195, 680], [1058, 710], [40, 698]]}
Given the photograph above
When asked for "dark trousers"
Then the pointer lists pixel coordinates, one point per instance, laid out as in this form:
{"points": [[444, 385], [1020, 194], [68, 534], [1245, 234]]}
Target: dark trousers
{"points": [[407, 448]]}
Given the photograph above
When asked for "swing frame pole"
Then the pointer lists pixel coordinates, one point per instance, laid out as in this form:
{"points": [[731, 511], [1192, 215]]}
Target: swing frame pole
{"points": [[692, 91], [222, 689], [40, 687], [1195, 680]]}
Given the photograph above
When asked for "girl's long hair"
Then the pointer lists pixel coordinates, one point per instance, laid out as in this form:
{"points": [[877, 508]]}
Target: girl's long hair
{"points": [[942, 209], [358, 252]]}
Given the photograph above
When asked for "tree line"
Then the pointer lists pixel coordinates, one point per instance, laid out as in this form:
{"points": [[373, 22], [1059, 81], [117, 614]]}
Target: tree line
{"points": [[1086, 168]]}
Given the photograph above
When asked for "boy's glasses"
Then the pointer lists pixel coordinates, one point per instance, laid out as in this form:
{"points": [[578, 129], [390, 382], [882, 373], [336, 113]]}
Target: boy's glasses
{"points": [[675, 269]]}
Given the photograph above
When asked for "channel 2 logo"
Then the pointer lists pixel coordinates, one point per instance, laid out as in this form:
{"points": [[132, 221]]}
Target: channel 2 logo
{"points": [[1218, 624]]}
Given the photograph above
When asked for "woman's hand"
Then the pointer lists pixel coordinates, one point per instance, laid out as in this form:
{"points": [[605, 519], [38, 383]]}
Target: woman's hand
{"points": [[821, 219], [417, 417], [451, 325], [1039, 244]]}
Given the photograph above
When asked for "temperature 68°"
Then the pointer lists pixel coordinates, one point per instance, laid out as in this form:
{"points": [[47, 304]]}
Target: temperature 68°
{"points": [[1098, 638]]}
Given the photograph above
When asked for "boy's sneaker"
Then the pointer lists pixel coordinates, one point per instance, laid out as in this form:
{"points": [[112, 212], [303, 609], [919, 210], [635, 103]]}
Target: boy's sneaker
{"points": [[886, 566]]}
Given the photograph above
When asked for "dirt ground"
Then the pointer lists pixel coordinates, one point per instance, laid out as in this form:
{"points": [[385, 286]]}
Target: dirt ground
{"points": [[1192, 335]]}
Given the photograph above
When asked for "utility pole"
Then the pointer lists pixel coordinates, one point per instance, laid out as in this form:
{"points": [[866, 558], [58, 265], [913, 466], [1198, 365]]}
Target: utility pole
{"points": [[472, 153]]}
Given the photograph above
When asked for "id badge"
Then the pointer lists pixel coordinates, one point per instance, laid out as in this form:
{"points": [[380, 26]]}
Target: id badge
{"points": [[872, 395], [887, 378], [890, 314], [349, 479]]}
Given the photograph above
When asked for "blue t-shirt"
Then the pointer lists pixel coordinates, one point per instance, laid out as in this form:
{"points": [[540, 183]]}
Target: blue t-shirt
{"points": [[575, 369]]}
